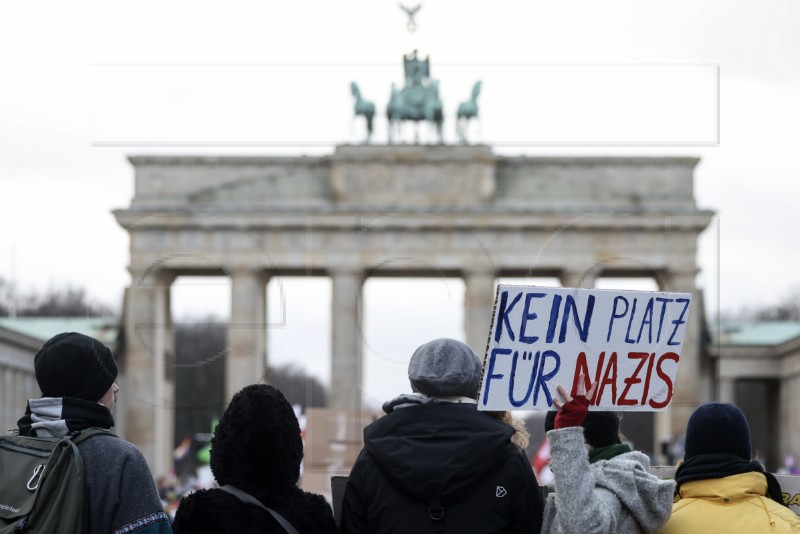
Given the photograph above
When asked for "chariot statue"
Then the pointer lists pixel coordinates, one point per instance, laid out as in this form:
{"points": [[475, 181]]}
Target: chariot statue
{"points": [[418, 100]]}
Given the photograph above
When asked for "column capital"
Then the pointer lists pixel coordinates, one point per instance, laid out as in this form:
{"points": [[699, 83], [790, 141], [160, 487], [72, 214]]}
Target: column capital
{"points": [[677, 279], [683, 271], [258, 270], [151, 276], [347, 271], [490, 271], [579, 279]]}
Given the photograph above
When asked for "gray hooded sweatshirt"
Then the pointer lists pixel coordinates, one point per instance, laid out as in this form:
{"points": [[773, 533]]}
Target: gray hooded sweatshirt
{"points": [[616, 496]]}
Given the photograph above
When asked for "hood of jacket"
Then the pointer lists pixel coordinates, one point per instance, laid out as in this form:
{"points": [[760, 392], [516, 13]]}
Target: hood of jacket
{"points": [[734, 504], [257, 445], [727, 489], [628, 477], [438, 450], [614, 495]]}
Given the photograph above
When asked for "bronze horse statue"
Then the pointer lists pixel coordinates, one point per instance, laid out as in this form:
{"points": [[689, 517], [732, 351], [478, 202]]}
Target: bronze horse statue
{"points": [[364, 108], [466, 111], [433, 110]]}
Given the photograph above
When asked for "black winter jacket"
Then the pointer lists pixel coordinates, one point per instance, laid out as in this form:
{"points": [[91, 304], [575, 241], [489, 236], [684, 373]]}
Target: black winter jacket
{"points": [[214, 511], [440, 459]]}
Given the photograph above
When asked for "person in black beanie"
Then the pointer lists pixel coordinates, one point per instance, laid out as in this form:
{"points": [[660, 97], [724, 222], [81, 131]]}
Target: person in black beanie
{"points": [[77, 377], [600, 429], [717, 469]]}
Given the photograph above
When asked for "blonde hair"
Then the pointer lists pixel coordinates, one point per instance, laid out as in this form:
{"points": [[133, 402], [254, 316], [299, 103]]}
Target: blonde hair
{"points": [[521, 436]]}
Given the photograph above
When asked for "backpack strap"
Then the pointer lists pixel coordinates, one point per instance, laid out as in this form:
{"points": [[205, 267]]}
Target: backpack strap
{"points": [[249, 499]]}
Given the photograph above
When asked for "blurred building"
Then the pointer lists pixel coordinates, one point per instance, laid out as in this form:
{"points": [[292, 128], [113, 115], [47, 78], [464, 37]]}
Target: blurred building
{"points": [[757, 367]]}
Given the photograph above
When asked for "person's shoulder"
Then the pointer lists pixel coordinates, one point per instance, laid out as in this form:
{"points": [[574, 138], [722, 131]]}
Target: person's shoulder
{"points": [[309, 512], [632, 461], [110, 445], [204, 497], [635, 457], [634, 464], [200, 511], [106, 451], [684, 503], [314, 500]]}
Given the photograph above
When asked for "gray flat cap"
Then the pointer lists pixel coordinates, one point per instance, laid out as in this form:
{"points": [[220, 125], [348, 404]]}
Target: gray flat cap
{"points": [[445, 368]]}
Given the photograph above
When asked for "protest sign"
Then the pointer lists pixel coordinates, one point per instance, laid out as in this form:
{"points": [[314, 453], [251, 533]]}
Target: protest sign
{"points": [[629, 342], [790, 488]]}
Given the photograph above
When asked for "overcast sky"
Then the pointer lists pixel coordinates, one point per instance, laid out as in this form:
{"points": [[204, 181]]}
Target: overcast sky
{"points": [[85, 84]]}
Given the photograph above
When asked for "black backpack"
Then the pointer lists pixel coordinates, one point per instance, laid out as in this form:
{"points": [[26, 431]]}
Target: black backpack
{"points": [[42, 483]]}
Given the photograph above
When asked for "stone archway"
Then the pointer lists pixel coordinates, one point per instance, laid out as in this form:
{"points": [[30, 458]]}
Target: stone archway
{"points": [[452, 210]]}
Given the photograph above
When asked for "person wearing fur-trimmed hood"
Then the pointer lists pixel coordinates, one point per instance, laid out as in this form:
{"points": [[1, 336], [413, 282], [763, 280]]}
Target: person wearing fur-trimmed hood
{"points": [[607, 490], [255, 453]]}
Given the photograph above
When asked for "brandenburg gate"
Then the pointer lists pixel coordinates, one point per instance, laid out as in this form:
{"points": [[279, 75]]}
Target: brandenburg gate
{"points": [[404, 210]]}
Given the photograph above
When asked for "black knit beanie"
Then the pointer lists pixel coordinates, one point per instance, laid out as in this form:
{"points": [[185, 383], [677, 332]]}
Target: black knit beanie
{"points": [[600, 429], [718, 428], [74, 365]]}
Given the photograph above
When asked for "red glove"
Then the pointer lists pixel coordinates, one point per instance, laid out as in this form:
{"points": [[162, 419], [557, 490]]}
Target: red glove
{"points": [[572, 413]]}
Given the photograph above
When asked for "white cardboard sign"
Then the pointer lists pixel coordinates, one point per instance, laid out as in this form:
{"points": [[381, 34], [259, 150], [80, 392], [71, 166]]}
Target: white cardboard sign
{"points": [[790, 486], [541, 337]]}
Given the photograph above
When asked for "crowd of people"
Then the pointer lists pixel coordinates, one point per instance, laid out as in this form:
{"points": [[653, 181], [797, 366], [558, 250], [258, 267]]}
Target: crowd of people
{"points": [[433, 463]]}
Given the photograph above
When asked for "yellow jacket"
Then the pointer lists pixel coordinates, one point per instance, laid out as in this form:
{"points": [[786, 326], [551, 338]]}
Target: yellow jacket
{"points": [[732, 505]]}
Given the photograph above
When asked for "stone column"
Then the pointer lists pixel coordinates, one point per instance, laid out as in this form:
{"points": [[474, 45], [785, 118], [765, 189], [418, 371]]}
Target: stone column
{"points": [[347, 365], [662, 432], [247, 331], [691, 388], [10, 404], [30, 386], [168, 393], [789, 401], [146, 327], [164, 409], [478, 306], [727, 390], [19, 387]]}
